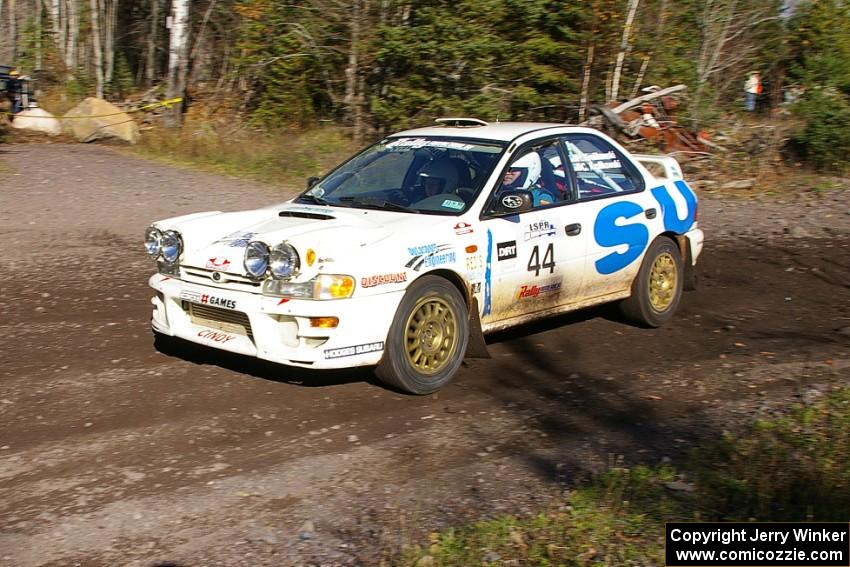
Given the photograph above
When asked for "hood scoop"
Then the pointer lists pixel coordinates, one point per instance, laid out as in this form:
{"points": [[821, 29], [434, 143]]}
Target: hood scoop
{"points": [[305, 215]]}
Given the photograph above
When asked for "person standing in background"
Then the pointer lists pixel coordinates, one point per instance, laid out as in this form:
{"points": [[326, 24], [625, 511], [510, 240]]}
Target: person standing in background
{"points": [[752, 88]]}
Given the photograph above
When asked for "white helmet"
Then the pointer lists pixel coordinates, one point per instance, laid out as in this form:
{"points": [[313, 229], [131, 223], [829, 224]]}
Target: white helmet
{"points": [[530, 166]]}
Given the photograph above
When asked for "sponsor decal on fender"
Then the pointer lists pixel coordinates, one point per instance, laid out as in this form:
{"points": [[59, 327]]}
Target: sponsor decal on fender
{"points": [[353, 350], [506, 250], [463, 228], [527, 291], [474, 263], [218, 263], [430, 255], [215, 336], [381, 279]]}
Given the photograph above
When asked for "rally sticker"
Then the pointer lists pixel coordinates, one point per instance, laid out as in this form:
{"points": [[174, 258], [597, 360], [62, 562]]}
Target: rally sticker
{"points": [[215, 336], [463, 228], [238, 239], [218, 263], [528, 291], [353, 350], [207, 299], [381, 279], [430, 255], [540, 229], [452, 204], [506, 250]]}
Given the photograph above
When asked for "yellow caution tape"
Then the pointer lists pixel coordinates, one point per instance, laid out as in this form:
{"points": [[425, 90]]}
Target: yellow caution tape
{"points": [[166, 103]]}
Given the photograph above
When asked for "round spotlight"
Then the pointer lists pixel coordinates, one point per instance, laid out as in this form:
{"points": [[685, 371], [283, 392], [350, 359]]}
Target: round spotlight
{"points": [[256, 259], [284, 261], [172, 246], [153, 241]]}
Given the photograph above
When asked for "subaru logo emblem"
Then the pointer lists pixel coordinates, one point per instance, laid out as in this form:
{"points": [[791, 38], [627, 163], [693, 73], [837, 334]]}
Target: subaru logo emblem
{"points": [[512, 201], [216, 276]]}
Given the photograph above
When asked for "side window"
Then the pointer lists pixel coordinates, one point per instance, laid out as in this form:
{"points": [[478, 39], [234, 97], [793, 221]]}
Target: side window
{"points": [[599, 168], [536, 178]]}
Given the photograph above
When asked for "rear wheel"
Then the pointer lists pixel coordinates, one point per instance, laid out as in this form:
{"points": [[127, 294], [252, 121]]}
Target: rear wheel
{"points": [[657, 289], [427, 339]]}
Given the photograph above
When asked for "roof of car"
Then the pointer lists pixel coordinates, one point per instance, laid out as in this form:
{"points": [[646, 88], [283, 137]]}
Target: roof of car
{"points": [[502, 131]]}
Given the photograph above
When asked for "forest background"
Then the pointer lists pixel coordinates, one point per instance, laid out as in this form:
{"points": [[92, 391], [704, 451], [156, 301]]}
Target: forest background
{"points": [[374, 66]]}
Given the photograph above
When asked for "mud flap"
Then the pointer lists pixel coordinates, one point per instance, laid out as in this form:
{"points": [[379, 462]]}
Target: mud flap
{"points": [[476, 347], [689, 281]]}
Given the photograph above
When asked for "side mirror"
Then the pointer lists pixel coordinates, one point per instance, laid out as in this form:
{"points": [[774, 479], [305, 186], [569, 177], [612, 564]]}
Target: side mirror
{"points": [[312, 181], [513, 202]]}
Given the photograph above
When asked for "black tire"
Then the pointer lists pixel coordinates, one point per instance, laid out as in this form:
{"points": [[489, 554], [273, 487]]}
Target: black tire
{"points": [[427, 339], [657, 289]]}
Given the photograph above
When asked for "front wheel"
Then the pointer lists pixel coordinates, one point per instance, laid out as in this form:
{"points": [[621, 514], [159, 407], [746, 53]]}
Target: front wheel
{"points": [[657, 289], [427, 339]]}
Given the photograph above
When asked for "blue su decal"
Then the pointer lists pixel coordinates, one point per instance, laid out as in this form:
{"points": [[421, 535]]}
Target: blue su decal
{"points": [[672, 222], [608, 233]]}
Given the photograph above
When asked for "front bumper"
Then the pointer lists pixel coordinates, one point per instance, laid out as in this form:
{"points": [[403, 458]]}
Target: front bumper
{"points": [[272, 328]]}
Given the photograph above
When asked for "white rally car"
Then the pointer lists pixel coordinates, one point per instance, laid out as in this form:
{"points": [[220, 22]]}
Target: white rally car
{"points": [[406, 254]]}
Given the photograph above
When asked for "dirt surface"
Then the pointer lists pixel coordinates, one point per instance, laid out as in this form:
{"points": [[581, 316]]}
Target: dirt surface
{"points": [[118, 451]]}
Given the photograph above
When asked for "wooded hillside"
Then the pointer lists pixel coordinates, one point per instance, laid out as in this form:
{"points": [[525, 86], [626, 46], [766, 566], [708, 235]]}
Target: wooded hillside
{"points": [[377, 65]]}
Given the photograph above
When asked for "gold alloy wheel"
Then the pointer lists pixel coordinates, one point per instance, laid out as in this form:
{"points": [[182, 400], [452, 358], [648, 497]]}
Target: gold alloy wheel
{"points": [[662, 282], [430, 335]]}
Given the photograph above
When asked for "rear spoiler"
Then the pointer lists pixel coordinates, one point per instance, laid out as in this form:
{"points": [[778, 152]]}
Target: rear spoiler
{"points": [[672, 170]]}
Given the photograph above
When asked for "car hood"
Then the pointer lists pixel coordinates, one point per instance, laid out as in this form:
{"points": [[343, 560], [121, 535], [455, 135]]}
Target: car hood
{"points": [[217, 241]]}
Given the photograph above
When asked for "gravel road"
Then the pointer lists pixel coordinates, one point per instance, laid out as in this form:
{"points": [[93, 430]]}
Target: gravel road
{"points": [[115, 450]]}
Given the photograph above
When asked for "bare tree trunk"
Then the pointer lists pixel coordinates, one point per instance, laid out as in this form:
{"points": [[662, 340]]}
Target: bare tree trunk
{"points": [[1, 26], [351, 73], [97, 46], [110, 21], [57, 27], [661, 20], [200, 38], [716, 22], [624, 46], [177, 59], [13, 31], [641, 73], [38, 33], [150, 67], [585, 84], [73, 37]]}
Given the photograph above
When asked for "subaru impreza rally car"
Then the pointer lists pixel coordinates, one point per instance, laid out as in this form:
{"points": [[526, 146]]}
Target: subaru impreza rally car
{"points": [[404, 256]]}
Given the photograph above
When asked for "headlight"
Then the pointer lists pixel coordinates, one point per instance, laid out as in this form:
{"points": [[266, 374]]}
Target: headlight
{"points": [[171, 246], [153, 241], [331, 286], [323, 286], [284, 261], [256, 259]]}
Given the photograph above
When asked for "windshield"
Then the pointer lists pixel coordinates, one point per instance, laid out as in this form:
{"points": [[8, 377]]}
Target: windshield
{"points": [[421, 175]]}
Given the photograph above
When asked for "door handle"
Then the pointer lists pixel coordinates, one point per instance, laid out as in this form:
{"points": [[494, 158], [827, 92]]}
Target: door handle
{"points": [[572, 229], [650, 213]]}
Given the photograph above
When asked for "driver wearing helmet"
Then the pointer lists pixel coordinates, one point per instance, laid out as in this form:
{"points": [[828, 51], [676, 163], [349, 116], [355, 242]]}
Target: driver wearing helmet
{"points": [[524, 174], [438, 176]]}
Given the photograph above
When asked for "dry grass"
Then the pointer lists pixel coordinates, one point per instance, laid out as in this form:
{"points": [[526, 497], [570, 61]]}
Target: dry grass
{"points": [[283, 158]]}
